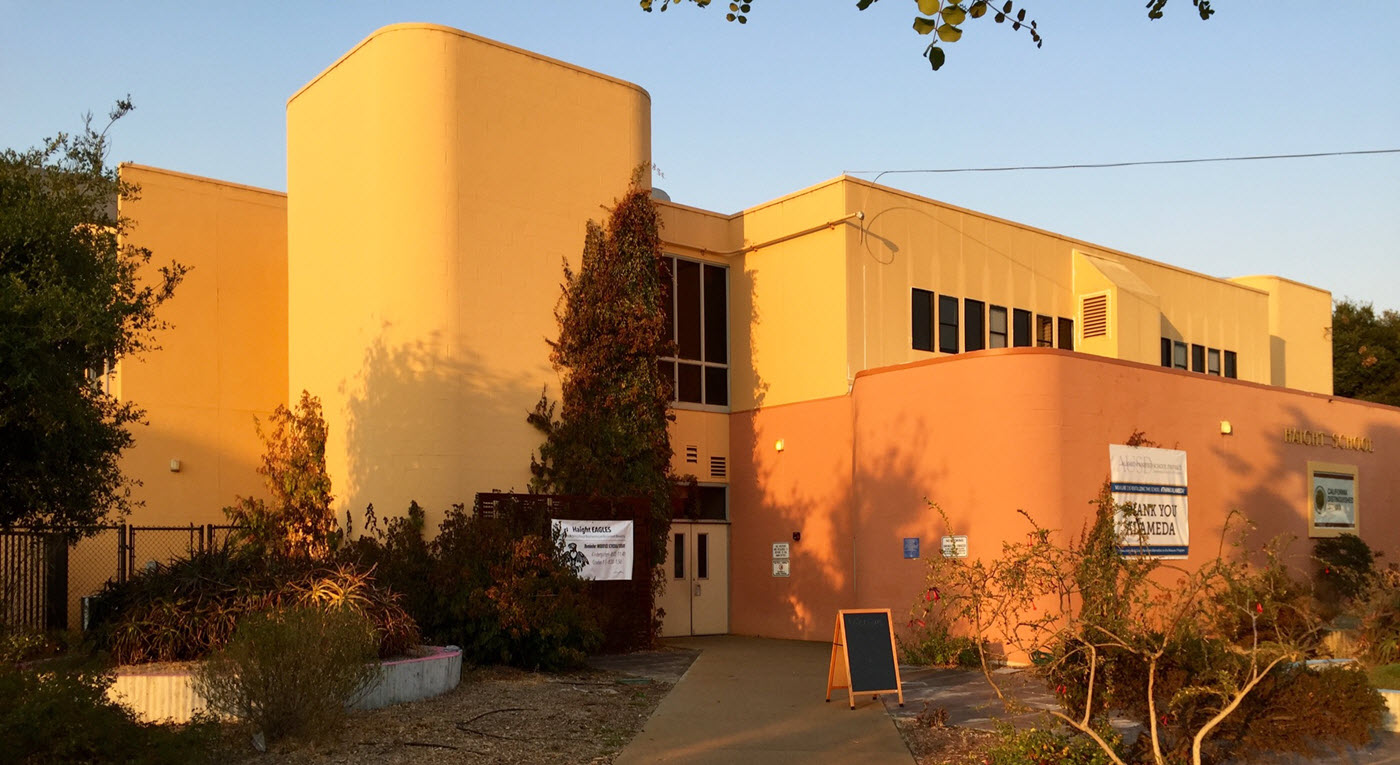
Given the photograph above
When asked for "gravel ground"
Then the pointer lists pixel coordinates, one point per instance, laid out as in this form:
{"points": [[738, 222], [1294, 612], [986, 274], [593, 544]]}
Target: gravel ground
{"points": [[496, 715]]}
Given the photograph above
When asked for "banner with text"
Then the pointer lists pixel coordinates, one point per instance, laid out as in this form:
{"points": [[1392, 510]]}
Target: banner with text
{"points": [[596, 549], [1153, 481]]}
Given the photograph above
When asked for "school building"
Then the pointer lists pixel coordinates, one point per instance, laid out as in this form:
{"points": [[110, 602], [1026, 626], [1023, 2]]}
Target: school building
{"points": [[843, 352]]}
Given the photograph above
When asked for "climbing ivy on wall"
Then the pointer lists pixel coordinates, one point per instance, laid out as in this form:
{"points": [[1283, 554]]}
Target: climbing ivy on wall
{"points": [[608, 437]]}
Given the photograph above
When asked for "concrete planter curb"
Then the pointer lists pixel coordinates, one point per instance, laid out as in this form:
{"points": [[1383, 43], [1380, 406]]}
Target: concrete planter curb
{"points": [[170, 696]]}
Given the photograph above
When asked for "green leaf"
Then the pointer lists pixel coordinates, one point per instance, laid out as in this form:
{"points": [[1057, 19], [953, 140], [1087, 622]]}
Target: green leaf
{"points": [[936, 57], [949, 33], [923, 26], [954, 14], [929, 7]]}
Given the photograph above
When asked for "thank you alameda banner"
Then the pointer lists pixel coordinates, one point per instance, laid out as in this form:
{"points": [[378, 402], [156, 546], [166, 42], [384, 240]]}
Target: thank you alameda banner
{"points": [[1153, 481], [596, 549]]}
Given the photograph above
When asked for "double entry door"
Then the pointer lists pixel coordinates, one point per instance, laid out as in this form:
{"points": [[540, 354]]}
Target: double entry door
{"points": [[696, 598]]}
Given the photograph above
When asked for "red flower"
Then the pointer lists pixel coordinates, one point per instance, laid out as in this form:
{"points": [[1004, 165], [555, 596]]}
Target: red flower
{"points": [[1259, 607], [1060, 689], [921, 622]]}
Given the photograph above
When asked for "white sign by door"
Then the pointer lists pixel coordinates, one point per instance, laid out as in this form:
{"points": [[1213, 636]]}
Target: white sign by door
{"points": [[596, 549], [781, 551]]}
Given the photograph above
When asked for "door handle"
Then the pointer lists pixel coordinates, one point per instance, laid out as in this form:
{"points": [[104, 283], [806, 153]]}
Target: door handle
{"points": [[697, 589]]}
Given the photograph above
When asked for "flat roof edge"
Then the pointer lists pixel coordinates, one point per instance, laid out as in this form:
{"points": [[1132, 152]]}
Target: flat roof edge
{"points": [[200, 178]]}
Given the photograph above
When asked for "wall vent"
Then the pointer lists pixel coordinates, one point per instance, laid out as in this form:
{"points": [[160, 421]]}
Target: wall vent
{"points": [[717, 467], [1094, 309], [692, 455]]}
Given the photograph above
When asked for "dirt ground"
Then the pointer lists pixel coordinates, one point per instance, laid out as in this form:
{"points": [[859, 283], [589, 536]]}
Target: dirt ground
{"points": [[496, 715], [944, 745]]}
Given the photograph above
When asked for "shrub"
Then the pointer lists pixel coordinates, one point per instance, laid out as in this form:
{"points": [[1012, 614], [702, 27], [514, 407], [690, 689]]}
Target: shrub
{"points": [[61, 717], [1341, 568], [298, 522], [505, 595], [1042, 746], [1378, 607], [932, 643], [292, 671], [189, 608]]}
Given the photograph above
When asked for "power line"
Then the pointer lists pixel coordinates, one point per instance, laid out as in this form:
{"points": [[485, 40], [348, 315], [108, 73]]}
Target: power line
{"points": [[1089, 166]]}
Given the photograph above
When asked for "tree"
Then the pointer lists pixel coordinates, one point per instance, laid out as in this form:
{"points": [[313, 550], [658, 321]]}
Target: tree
{"points": [[1366, 353], [610, 437], [298, 523], [73, 302], [944, 19]]}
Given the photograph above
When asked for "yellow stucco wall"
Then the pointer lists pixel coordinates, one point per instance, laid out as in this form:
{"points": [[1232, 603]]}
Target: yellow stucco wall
{"points": [[1300, 331], [437, 182], [224, 359]]}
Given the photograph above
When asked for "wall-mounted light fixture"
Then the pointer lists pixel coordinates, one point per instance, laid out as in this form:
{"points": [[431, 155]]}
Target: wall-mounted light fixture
{"points": [[797, 536], [174, 466], [779, 445], [1226, 428]]}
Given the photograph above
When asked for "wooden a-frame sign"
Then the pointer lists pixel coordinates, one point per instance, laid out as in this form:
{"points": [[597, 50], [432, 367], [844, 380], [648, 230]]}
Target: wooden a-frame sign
{"points": [[863, 655]]}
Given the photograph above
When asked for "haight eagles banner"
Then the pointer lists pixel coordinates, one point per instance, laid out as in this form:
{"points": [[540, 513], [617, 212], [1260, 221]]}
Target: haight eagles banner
{"points": [[1153, 481], [596, 549]]}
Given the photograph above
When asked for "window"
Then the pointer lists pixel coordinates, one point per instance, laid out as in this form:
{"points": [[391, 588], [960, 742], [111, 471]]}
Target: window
{"points": [[1198, 358], [1230, 365], [1178, 355], [702, 556], [974, 325], [1212, 361], [996, 325], [1067, 334], [697, 316], [921, 309], [678, 557], [1166, 352], [104, 379], [1044, 332], [947, 324], [714, 503], [1021, 328]]}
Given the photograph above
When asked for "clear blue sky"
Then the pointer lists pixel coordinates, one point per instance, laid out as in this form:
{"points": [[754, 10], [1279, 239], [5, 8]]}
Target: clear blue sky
{"points": [[810, 88]]}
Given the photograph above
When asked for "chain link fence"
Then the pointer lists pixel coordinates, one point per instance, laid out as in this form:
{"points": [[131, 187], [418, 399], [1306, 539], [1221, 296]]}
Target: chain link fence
{"points": [[46, 574]]}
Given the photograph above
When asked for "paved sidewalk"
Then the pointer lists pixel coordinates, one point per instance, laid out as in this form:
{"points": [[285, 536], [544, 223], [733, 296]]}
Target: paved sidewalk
{"points": [[751, 700]]}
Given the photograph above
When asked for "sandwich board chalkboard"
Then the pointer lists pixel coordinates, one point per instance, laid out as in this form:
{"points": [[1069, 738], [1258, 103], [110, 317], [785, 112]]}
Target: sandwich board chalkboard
{"points": [[863, 655]]}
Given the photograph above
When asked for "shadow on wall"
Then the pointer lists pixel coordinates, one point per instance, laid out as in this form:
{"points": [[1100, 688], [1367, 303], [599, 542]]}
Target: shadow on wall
{"points": [[433, 426], [1274, 493]]}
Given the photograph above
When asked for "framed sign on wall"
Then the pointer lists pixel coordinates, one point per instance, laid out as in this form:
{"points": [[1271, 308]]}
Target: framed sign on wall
{"points": [[1332, 500]]}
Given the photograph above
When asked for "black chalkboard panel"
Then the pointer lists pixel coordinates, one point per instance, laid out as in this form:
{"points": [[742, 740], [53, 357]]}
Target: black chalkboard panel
{"points": [[862, 655], [870, 649]]}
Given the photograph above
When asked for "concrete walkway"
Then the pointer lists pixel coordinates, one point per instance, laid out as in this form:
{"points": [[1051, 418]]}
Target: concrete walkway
{"points": [[750, 700]]}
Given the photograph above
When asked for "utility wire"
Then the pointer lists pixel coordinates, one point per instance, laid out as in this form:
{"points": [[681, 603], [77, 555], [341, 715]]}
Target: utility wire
{"points": [[1129, 164]]}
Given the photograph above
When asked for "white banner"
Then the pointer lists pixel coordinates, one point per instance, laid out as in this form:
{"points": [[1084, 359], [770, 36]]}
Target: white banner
{"points": [[596, 549], [1154, 482]]}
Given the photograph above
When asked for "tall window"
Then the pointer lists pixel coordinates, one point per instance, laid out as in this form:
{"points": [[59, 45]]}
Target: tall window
{"points": [[921, 309], [1166, 352], [1212, 362], [1044, 332], [1067, 334], [1021, 328], [1178, 355], [1230, 370], [947, 324], [697, 315], [996, 327], [1198, 358], [974, 327]]}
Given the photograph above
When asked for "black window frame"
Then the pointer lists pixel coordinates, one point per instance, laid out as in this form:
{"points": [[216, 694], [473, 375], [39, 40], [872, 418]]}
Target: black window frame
{"points": [[1230, 367], [1198, 358], [948, 330], [1064, 331], [974, 325], [992, 334], [1021, 336], [921, 319], [700, 377]]}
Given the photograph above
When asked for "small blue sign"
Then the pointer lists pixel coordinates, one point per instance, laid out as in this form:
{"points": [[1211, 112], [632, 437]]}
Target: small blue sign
{"points": [[911, 547]]}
